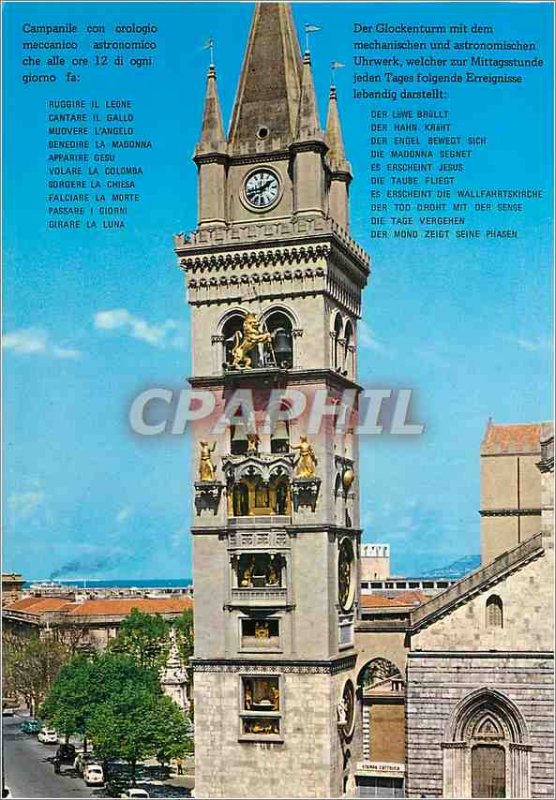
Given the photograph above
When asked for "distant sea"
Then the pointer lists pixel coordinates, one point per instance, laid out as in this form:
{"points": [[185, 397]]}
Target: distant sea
{"points": [[121, 583]]}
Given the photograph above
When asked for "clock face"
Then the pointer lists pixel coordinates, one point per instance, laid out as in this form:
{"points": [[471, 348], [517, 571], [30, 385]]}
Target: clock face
{"points": [[346, 578], [261, 189]]}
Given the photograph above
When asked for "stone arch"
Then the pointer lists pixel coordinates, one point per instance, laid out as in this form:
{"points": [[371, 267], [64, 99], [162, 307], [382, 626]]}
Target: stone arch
{"points": [[497, 704], [336, 330], [280, 321], [349, 344], [494, 612], [486, 750], [376, 671], [228, 324]]}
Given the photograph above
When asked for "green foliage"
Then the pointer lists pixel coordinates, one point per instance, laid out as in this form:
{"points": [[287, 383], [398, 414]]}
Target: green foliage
{"points": [[185, 636], [30, 665], [118, 704], [138, 725], [144, 637]]}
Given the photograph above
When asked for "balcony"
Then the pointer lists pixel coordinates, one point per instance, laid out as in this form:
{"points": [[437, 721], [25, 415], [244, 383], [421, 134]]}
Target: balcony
{"points": [[259, 597]]}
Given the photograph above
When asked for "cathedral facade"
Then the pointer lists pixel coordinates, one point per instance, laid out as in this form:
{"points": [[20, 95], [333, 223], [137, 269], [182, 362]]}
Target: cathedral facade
{"points": [[274, 282]]}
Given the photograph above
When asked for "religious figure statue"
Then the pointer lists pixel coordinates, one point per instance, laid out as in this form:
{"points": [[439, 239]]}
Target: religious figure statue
{"points": [[206, 467], [253, 443], [247, 577], [307, 462], [272, 578], [341, 713], [246, 340]]}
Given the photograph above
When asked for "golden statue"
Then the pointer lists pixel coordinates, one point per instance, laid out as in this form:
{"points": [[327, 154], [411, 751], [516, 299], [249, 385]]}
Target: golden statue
{"points": [[262, 630], [305, 467], [246, 340], [247, 577], [253, 443], [206, 467]]}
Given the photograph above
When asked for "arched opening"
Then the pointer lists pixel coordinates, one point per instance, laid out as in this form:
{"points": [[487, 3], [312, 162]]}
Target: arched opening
{"points": [[486, 750], [336, 337], [254, 497], [232, 327], [280, 491], [278, 418], [348, 345], [494, 612], [280, 327], [240, 497], [381, 690]]}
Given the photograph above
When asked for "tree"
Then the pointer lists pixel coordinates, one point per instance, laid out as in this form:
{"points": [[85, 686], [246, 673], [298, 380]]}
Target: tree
{"points": [[70, 702], [137, 725], [31, 665], [185, 634], [144, 637]]}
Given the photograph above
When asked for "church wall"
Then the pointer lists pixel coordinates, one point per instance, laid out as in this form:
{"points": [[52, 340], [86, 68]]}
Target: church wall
{"points": [[528, 616], [436, 684]]}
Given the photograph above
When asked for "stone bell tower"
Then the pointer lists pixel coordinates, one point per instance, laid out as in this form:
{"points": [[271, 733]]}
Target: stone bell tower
{"points": [[274, 283]]}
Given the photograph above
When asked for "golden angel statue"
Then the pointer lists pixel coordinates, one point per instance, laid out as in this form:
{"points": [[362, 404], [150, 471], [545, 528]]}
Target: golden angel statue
{"points": [[305, 467], [206, 467]]}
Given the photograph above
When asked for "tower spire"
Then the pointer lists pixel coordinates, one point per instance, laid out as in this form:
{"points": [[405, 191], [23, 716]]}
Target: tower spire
{"points": [[308, 123], [267, 98], [334, 139], [213, 138]]}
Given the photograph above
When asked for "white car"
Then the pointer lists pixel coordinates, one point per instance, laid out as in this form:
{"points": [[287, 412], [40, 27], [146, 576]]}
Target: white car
{"points": [[48, 736], [93, 775], [138, 794]]}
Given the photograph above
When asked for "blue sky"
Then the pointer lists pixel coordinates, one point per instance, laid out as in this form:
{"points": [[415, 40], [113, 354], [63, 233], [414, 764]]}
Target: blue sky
{"points": [[466, 325]]}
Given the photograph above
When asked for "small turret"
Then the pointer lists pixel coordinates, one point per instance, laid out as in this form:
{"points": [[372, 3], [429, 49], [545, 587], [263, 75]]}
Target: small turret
{"points": [[210, 157], [308, 149], [308, 123], [340, 168]]}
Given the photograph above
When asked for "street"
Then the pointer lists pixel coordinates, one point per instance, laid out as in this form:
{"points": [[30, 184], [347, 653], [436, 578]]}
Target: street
{"points": [[28, 770]]}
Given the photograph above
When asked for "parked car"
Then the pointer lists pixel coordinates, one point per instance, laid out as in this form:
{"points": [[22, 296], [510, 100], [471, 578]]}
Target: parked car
{"points": [[48, 736], [66, 752], [93, 775], [82, 759], [31, 726], [135, 793]]}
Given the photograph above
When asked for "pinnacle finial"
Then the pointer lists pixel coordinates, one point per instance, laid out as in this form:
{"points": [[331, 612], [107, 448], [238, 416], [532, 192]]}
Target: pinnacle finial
{"points": [[334, 139], [308, 123], [213, 138]]}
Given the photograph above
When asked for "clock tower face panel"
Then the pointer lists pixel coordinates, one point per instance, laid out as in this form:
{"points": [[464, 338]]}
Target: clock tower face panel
{"points": [[259, 190]]}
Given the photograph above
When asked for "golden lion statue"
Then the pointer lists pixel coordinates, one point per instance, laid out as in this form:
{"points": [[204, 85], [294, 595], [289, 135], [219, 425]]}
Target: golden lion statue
{"points": [[246, 340]]}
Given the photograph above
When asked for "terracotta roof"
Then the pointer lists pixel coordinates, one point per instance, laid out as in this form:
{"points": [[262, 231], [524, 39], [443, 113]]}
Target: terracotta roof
{"points": [[39, 605], [124, 606], [378, 601], [412, 598], [511, 439]]}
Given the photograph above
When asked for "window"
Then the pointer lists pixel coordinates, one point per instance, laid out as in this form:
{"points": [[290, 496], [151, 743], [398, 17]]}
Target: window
{"points": [[279, 326], [252, 497], [494, 612], [232, 327], [255, 570], [348, 343], [260, 633], [336, 341], [260, 706]]}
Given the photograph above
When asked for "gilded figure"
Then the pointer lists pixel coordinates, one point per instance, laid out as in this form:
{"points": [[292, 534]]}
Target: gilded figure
{"points": [[206, 467], [305, 467], [246, 340]]}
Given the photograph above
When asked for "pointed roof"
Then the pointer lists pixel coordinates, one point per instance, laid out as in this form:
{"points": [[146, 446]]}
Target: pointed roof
{"points": [[270, 81], [334, 139], [213, 139], [308, 123]]}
